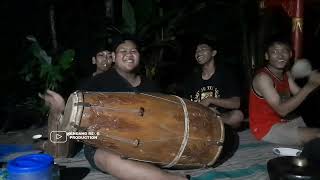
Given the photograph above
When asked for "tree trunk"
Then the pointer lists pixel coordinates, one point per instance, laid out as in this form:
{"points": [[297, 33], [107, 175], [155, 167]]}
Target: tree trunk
{"points": [[53, 29]]}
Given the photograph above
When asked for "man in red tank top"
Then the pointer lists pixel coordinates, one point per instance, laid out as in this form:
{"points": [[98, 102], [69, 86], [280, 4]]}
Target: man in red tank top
{"points": [[274, 95]]}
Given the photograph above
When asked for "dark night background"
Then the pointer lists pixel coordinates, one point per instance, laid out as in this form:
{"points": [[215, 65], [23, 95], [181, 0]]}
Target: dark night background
{"points": [[237, 26]]}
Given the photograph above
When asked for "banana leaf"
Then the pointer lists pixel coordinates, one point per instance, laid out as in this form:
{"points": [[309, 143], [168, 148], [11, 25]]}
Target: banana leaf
{"points": [[129, 20]]}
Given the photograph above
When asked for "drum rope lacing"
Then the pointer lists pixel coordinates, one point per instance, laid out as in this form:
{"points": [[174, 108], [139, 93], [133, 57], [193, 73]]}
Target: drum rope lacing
{"points": [[186, 134], [186, 129], [161, 98]]}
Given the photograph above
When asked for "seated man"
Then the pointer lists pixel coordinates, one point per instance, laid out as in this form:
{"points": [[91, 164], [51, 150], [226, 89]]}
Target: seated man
{"points": [[122, 78], [103, 62], [214, 86], [274, 95]]}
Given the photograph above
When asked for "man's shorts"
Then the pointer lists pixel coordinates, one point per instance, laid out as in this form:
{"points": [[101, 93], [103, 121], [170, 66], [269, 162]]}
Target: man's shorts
{"points": [[89, 152], [286, 133]]}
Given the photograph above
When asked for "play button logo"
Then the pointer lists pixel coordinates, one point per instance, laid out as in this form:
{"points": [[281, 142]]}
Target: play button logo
{"points": [[58, 136]]}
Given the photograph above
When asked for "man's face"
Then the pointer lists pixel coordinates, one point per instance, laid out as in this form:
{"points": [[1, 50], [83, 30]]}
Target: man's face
{"points": [[204, 53], [278, 55], [103, 60], [127, 56]]}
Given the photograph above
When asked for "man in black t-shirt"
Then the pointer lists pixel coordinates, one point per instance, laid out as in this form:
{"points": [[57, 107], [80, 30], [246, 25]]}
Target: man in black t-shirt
{"points": [[103, 62], [214, 86], [122, 78]]}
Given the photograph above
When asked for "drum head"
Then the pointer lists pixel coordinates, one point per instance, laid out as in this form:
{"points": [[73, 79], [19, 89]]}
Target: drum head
{"points": [[73, 112], [72, 116]]}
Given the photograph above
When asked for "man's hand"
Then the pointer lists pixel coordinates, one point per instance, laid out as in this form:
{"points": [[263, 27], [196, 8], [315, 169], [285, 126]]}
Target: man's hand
{"points": [[314, 79], [54, 100], [206, 102], [214, 109]]}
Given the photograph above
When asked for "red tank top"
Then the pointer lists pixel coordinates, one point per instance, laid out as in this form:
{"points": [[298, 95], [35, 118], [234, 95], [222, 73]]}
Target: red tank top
{"points": [[261, 115]]}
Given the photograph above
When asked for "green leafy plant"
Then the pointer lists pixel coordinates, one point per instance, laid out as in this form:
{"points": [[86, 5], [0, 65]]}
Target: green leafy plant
{"points": [[145, 18], [42, 71], [142, 18], [42, 67]]}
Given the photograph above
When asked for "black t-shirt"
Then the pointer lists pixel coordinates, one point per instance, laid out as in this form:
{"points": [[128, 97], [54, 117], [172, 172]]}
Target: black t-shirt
{"points": [[222, 84], [111, 81]]}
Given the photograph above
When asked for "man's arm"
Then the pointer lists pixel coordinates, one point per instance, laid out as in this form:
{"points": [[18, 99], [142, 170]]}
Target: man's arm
{"points": [[56, 105], [294, 88], [264, 86], [54, 100], [228, 103]]}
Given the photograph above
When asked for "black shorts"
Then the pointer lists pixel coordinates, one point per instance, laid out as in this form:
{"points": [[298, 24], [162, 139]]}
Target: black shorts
{"points": [[89, 152]]}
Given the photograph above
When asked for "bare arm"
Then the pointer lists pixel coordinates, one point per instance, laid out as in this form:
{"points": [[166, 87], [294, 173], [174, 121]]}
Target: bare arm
{"points": [[55, 102], [294, 88], [56, 105], [229, 103], [264, 86]]}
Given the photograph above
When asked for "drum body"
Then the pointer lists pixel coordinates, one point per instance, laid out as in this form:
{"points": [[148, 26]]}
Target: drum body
{"points": [[164, 130]]}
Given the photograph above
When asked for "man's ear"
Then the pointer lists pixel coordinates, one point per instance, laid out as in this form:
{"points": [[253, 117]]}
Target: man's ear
{"points": [[113, 56], [93, 60], [266, 56], [214, 53], [291, 54]]}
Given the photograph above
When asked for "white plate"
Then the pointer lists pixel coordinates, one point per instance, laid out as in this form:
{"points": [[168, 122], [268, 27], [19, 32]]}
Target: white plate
{"points": [[286, 151], [37, 136]]}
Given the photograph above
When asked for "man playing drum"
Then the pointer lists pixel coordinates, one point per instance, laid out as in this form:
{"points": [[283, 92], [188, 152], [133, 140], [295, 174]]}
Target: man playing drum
{"points": [[122, 78], [274, 95]]}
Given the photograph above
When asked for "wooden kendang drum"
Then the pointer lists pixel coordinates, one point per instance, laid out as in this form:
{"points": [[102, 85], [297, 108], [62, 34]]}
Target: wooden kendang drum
{"points": [[164, 130]]}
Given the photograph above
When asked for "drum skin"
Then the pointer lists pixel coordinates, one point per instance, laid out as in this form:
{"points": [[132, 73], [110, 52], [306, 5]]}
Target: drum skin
{"points": [[164, 130]]}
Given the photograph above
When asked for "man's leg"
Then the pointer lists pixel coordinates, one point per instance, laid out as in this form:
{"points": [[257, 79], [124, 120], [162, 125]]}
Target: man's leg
{"points": [[113, 164], [308, 134], [293, 132], [233, 118]]}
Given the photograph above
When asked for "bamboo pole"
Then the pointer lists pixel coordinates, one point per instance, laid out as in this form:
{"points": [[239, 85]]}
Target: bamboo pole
{"points": [[297, 29]]}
